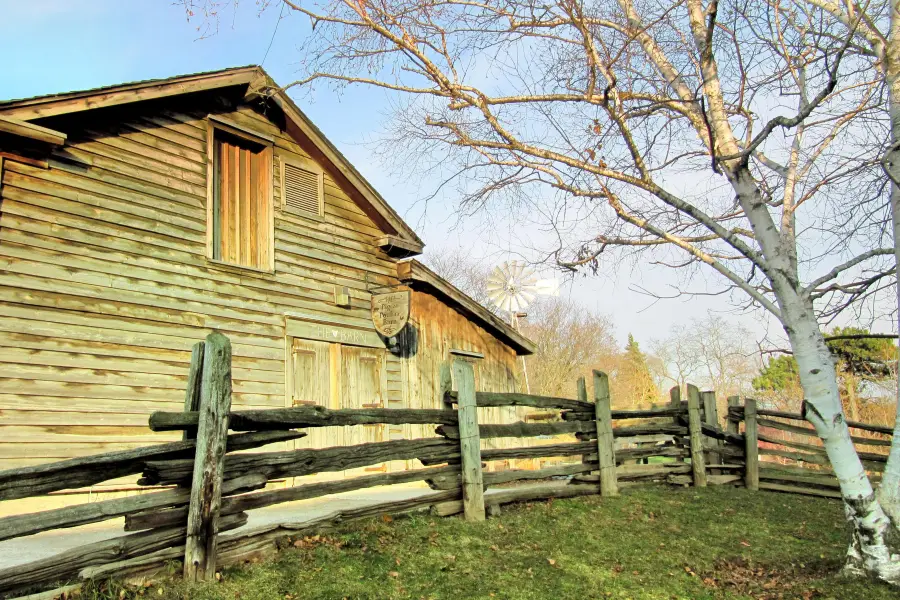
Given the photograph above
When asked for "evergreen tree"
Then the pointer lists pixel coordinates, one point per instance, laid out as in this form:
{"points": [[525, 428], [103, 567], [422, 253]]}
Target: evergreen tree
{"points": [[870, 358], [778, 374], [635, 379]]}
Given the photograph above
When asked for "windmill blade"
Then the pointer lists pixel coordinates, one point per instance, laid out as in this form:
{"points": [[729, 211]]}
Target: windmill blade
{"points": [[497, 297], [525, 274], [512, 286]]}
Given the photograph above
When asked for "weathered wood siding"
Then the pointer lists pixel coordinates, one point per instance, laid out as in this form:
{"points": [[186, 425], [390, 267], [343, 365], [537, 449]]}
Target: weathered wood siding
{"points": [[105, 285], [440, 330]]}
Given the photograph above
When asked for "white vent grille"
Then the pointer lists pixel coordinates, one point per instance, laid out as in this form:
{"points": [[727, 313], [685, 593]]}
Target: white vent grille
{"points": [[301, 190]]}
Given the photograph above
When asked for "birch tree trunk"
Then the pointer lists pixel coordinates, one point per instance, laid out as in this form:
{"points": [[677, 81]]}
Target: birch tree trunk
{"points": [[889, 489], [870, 550]]}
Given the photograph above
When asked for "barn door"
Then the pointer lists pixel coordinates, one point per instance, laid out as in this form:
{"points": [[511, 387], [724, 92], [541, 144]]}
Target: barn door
{"points": [[338, 376], [311, 386], [363, 385]]}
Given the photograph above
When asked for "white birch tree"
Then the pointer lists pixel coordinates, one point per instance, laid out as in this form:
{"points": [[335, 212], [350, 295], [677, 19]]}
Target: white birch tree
{"points": [[735, 136], [875, 27]]}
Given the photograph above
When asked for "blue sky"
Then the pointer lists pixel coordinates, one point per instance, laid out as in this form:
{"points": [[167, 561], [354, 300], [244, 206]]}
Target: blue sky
{"points": [[53, 46]]}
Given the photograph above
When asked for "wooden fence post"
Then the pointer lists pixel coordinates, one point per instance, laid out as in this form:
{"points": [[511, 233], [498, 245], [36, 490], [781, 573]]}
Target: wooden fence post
{"points": [[606, 444], [192, 393], [675, 402], [751, 441], [711, 417], [209, 460], [698, 464], [732, 425], [469, 441]]}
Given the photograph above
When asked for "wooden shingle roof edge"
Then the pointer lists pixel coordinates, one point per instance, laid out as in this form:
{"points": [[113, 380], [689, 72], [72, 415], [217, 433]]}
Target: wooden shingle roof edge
{"points": [[416, 275], [258, 83]]}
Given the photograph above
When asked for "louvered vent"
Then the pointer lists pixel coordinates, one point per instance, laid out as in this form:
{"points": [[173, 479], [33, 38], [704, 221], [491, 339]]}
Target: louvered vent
{"points": [[301, 190]]}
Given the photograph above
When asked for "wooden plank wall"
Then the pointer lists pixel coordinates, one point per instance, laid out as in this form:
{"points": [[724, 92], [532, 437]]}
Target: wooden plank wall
{"points": [[440, 329], [104, 286]]}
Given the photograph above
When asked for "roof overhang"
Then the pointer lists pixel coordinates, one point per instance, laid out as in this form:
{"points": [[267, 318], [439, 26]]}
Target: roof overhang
{"points": [[26, 142], [398, 247], [381, 212], [41, 107], [403, 241], [30, 131], [418, 276]]}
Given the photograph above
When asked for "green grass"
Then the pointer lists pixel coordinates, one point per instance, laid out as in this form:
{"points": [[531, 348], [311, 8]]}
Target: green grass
{"points": [[650, 543]]}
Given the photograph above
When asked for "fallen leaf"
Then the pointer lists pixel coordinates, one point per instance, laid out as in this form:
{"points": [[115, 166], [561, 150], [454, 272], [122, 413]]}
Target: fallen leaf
{"points": [[393, 574]]}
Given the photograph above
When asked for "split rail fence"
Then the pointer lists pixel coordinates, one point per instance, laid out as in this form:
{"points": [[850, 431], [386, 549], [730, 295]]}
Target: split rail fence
{"points": [[212, 486]]}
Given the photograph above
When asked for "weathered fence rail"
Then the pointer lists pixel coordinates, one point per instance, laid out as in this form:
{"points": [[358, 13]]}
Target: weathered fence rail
{"points": [[597, 450], [798, 461]]}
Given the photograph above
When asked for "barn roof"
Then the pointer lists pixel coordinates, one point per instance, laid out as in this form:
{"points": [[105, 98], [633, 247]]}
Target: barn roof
{"points": [[400, 239]]}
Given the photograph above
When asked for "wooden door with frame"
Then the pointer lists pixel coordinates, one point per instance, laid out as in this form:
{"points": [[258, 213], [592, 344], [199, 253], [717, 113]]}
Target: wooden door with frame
{"points": [[338, 376], [311, 386], [363, 384]]}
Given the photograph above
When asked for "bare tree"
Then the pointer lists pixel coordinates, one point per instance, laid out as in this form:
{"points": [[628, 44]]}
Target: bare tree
{"points": [[710, 352], [730, 135], [571, 342]]}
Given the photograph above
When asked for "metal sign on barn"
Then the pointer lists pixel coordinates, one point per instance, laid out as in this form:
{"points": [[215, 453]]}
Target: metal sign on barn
{"points": [[390, 312]]}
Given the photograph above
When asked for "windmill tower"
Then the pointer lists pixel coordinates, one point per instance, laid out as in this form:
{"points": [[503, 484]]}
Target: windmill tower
{"points": [[512, 287]]}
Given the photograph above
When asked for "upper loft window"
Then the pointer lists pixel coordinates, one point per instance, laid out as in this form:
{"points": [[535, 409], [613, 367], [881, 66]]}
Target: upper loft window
{"points": [[302, 187], [240, 216]]}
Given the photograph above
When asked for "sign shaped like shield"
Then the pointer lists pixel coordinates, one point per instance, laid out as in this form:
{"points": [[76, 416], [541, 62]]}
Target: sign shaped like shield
{"points": [[390, 312]]}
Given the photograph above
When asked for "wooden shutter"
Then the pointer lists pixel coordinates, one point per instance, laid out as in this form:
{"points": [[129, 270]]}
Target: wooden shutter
{"points": [[302, 188], [241, 212]]}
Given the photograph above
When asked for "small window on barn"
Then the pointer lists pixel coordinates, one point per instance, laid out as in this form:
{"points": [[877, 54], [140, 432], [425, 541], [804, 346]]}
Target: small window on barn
{"points": [[240, 204], [302, 187]]}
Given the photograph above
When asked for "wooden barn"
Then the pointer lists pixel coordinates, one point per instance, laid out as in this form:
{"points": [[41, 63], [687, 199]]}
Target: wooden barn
{"points": [[137, 218]]}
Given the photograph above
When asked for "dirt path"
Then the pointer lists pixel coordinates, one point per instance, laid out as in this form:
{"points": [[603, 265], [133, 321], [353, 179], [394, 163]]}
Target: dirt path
{"points": [[24, 550]]}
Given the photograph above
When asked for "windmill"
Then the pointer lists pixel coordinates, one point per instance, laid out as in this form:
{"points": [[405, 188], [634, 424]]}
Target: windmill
{"points": [[512, 286]]}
